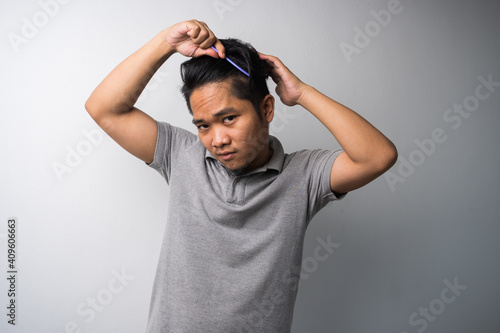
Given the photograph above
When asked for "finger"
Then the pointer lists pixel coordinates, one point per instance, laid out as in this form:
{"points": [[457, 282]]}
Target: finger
{"points": [[208, 41], [193, 29], [205, 39], [211, 40], [274, 62], [275, 77], [273, 66], [197, 32], [201, 36], [264, 56], [220, 48]]}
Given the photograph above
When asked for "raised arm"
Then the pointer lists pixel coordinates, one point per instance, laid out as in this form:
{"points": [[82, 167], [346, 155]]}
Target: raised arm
{"points": [[367, 152], [111, 104]]}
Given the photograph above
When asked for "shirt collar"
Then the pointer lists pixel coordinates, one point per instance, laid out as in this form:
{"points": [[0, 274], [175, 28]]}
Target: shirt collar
{"points": [[275, 163]]}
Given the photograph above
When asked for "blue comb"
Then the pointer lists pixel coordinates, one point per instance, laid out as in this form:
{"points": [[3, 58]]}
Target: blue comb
{"points": [[232, 63]]}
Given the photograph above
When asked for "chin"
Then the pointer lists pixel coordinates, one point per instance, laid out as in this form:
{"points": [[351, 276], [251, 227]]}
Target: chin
{"points": [[236, 168]]}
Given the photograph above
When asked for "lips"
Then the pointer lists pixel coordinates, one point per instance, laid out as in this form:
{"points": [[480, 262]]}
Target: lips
{"points": [[226, 156]]}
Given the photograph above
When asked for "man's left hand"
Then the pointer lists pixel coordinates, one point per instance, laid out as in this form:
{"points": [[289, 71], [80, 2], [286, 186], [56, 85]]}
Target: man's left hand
{"points": [[288, 86]]}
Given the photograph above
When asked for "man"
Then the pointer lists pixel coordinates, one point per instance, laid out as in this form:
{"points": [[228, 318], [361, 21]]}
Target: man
{"points": [[239, 206]]}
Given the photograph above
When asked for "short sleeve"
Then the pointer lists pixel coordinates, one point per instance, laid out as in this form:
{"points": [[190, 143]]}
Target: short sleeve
{"points": [[315, 167], [170, 142], [325, 177]]}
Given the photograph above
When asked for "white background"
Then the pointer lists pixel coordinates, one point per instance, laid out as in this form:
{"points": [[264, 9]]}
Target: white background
{"points": [[433, 217]]}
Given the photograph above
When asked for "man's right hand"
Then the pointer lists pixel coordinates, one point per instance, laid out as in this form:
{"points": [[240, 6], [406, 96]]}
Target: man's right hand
{"points": [[111, 104], [193, 39]]}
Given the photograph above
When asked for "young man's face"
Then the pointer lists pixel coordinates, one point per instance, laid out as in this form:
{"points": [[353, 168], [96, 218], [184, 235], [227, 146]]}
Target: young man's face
{"points": [[230, 128]]}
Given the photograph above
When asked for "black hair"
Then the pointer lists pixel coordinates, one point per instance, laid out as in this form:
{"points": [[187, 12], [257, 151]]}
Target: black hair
{"points": [[199, 71]]}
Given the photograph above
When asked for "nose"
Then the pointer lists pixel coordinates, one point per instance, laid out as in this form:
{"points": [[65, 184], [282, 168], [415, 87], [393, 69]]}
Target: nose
{"points": [[220, 138]]}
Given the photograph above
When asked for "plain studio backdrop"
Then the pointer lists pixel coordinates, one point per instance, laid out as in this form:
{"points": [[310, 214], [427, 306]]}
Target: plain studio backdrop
{"points": [[416, 250]]}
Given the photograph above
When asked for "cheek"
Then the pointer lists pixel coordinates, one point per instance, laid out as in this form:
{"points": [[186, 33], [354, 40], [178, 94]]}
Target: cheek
{"points": [[256, 137], [252, 144], [205, 141], [245, 140]]}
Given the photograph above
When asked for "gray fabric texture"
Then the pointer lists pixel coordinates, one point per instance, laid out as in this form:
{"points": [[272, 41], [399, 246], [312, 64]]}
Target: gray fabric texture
{"points": [[232, 250]]}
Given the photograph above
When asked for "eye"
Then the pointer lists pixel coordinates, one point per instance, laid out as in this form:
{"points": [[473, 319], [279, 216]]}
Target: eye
{"points": [[229, 119], [202, 127]]}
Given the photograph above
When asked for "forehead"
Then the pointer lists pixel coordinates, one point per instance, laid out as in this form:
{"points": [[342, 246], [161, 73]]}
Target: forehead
{"points": [[214, 97]]}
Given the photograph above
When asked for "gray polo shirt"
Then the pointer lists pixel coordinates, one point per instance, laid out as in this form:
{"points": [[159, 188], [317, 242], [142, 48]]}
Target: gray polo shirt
{"points": [[232, 249]]}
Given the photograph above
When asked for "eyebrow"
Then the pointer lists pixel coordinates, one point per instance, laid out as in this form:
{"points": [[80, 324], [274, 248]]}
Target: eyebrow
{"points": [[222, 112]]}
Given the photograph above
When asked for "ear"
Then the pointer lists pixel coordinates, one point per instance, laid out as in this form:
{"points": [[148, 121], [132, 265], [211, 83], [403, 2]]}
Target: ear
{"points": [[267, 108]]}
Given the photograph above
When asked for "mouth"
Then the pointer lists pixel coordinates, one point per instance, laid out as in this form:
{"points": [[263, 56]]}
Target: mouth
{"points": [[226, 156]]}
